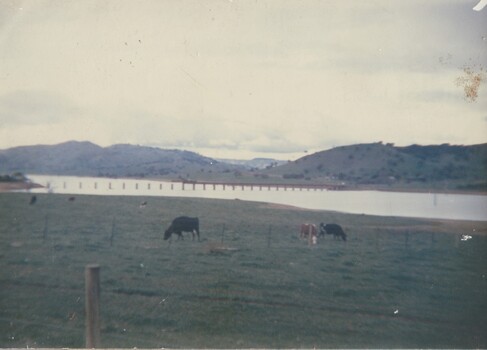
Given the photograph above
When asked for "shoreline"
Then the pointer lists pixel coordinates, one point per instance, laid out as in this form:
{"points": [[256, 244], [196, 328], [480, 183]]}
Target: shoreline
{"points": [[474, 226], [17, 186], [417, 190], [378, 188], [478, 227]]}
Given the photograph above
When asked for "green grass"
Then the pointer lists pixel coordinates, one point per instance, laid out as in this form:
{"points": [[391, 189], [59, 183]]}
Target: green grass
{"points": [[380, 289]]}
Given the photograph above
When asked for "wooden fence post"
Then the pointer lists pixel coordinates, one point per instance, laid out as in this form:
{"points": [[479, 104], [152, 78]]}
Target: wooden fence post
{"points": [[113, 232], [92, 305], [223, 231], [310, 234], [46, 227], [458, 237], [46, 224]]}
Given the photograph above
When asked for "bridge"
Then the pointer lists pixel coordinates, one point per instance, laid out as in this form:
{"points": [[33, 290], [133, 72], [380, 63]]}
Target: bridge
{"points": [[188, 184]]}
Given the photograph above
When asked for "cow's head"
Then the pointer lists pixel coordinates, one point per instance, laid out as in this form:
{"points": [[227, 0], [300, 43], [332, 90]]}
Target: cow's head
{"points": [[167, 234]]}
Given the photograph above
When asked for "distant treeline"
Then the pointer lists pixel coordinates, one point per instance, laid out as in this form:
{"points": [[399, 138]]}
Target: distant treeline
{"points": [[16, 177]]}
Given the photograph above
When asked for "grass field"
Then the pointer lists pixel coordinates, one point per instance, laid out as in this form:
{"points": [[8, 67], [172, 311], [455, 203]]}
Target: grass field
{"points": [[396, 282]]}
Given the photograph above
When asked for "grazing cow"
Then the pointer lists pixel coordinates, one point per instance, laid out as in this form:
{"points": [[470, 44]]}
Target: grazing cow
{"points": [[306, 229], [332, 229], [183, 224], [33, 200]]}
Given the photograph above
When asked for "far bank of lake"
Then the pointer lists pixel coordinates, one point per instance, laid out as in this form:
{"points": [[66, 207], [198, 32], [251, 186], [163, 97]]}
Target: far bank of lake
{"points": [[404, 204]]}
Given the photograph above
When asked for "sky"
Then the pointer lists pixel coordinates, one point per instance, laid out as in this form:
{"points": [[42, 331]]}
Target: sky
{"points": [[242, 78]]}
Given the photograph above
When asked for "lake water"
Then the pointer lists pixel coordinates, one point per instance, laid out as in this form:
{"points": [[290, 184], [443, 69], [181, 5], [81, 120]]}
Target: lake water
{"points": [[421, 205]]}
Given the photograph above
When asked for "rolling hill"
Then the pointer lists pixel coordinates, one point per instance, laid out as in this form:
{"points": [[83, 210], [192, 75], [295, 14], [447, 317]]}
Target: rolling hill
{"points": [[375, 165], [437, 166], [88, 159]]}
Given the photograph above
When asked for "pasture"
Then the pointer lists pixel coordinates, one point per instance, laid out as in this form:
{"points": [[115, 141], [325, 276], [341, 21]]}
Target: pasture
{"points": [[250, 283]]}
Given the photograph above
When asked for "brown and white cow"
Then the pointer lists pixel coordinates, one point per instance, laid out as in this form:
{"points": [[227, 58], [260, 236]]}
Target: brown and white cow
{"points": [[307, 229]]}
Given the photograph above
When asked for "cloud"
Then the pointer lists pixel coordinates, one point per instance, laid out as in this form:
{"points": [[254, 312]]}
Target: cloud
{"points": [[248, 77], [35, 108]]}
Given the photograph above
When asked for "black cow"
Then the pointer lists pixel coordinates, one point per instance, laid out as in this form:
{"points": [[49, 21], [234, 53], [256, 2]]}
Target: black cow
{"points": [[332, 229], [183, 224]]}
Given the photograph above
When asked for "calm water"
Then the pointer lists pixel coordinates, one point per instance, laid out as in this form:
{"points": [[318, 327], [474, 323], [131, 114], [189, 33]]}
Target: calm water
{"points": [[424, 205]]}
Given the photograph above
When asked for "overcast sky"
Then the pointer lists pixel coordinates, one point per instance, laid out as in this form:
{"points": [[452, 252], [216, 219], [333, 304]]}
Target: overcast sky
{"points": [[241, 78]]}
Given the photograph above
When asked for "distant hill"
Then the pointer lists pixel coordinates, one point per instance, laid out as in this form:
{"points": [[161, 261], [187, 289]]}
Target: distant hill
{"points": [[88, 159], [375, 165], [445, 166], [256, 163]]}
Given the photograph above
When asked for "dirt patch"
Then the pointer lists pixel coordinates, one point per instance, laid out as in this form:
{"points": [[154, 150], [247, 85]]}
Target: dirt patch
{"points": [[442, 226], [463, 227], [17, 186]]}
